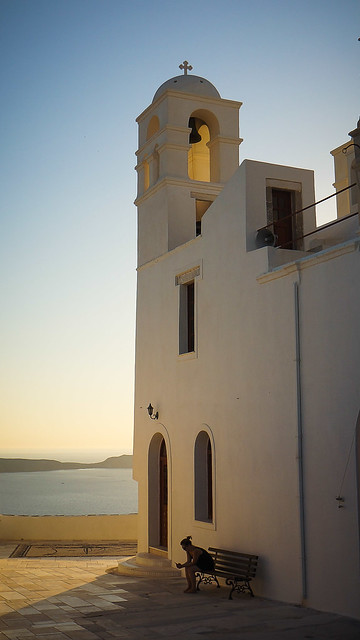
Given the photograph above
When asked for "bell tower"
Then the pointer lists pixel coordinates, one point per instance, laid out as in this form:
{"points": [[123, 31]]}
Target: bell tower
{"points": [[188, 149]]}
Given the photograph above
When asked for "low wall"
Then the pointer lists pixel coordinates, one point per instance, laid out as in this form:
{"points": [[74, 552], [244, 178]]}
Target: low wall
{"points": [[69, 528]]}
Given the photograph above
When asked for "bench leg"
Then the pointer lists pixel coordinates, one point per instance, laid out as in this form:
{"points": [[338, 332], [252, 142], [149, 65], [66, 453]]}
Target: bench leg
{"points": [[232, 588], [214, 578], [206, 579], [199, 576], [241, 588]]}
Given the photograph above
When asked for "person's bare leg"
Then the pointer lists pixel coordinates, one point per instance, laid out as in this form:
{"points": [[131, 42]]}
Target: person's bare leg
{"points": [[188, 579], [192, 580]]}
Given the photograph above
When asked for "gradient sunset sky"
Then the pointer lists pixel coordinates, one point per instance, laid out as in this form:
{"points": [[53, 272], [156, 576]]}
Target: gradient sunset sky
{"points": [[74, 76]]}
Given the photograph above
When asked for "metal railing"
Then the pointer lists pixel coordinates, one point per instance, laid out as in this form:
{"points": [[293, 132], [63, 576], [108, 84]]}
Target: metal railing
{"points": [[292, 215]]}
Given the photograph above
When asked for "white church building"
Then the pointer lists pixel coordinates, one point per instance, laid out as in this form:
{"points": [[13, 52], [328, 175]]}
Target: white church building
{"points": [[247, 382]]}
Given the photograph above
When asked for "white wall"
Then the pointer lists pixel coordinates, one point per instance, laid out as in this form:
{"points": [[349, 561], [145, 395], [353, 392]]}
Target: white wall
{"points": [[330, 308], [241, 383]]}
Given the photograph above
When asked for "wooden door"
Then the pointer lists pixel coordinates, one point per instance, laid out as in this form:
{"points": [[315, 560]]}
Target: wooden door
{"points": [[283, 222], [209, 483], [163, 496]]}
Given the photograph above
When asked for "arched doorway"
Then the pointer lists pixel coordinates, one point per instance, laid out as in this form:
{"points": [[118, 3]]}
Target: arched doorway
{"points": [[158, 497], [163, 490], [357, 466]]}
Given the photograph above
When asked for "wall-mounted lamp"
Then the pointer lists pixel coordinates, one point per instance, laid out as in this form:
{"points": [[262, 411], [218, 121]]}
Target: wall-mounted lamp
{"points": [[152, 415]]}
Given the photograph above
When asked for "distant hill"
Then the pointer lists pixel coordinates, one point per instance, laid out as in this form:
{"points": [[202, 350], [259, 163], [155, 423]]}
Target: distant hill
{"points": [[13, 465]]}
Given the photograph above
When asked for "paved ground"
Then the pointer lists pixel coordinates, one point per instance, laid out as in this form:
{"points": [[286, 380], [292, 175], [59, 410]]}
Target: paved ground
{"points": [[73, 599]]}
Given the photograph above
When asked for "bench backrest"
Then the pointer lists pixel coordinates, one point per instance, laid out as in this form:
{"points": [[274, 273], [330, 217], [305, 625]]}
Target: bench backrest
{"points": [[234, 563]]}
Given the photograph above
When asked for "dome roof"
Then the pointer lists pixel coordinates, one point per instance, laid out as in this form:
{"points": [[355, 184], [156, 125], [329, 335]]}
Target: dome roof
{"points": [[188, 84]]}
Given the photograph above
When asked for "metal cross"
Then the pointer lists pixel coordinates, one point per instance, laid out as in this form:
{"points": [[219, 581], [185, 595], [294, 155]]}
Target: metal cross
{"points": [[186, 66]]}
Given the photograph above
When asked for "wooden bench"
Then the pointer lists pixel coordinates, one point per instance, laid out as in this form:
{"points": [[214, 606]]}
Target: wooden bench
{"points": [[238, 569]]}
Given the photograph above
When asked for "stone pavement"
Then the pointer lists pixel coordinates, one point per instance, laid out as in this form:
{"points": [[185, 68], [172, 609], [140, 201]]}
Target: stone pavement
{"points": [[70, 599]]}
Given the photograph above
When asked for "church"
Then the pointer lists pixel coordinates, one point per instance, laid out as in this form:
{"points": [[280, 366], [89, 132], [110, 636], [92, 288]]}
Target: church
{"points": [[247, 374]]}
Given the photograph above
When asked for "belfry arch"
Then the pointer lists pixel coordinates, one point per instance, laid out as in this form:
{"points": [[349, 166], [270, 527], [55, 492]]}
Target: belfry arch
{"points": [[202, 155], [153, 127], [199, 152]]}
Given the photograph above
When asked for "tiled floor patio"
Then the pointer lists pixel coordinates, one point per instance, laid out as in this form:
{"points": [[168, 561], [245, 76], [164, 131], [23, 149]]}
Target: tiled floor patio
{"points": [[62, 599]]}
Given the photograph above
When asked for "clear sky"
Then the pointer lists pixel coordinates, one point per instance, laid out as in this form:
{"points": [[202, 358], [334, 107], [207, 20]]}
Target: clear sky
{"points": [[74, 76]]}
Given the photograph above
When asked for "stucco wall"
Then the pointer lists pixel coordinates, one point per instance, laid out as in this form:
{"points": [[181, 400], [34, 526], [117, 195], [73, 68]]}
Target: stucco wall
{"points": [[84, 528], [329, 311], [241, 385]]}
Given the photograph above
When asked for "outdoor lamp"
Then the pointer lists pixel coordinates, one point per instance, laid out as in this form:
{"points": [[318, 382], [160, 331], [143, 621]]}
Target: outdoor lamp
{"points": [[150, 410]]}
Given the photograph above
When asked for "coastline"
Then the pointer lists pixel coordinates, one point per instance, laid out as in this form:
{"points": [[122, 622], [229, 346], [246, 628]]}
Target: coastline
{"points": [[24, 465]]}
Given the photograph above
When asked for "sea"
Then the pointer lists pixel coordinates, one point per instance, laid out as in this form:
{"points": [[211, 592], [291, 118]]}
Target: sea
{"points": [[73, 492]]}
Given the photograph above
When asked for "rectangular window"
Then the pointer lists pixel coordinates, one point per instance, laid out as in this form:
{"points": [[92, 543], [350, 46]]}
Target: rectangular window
{"points": [[190, 316], [187, 318], [201, 208]]}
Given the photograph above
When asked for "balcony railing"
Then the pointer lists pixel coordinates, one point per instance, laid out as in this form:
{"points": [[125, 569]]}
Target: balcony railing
{"points": [[266, 237]]}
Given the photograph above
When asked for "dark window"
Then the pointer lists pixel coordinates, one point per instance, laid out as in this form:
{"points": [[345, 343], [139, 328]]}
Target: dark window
{"points": [[187, 318], [201, 208], [203, 469], [190, 316]]}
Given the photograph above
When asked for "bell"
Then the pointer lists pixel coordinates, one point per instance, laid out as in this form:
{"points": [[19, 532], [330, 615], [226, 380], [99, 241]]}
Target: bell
{"points": [[194, 134]]}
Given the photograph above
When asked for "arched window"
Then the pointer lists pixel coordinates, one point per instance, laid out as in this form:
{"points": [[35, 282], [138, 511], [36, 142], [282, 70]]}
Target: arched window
{"points": [[199, 152], [203, 470], [153, 127]]}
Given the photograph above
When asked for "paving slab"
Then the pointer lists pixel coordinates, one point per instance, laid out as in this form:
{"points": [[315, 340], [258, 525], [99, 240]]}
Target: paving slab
{"points": [[73, 599]]}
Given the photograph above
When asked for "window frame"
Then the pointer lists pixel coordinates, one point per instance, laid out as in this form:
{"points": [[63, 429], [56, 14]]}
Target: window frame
{"points": [[187, 312]]}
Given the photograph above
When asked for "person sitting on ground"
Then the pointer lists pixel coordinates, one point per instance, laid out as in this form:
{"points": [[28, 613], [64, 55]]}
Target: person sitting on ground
{"points": [[198, 559]]}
